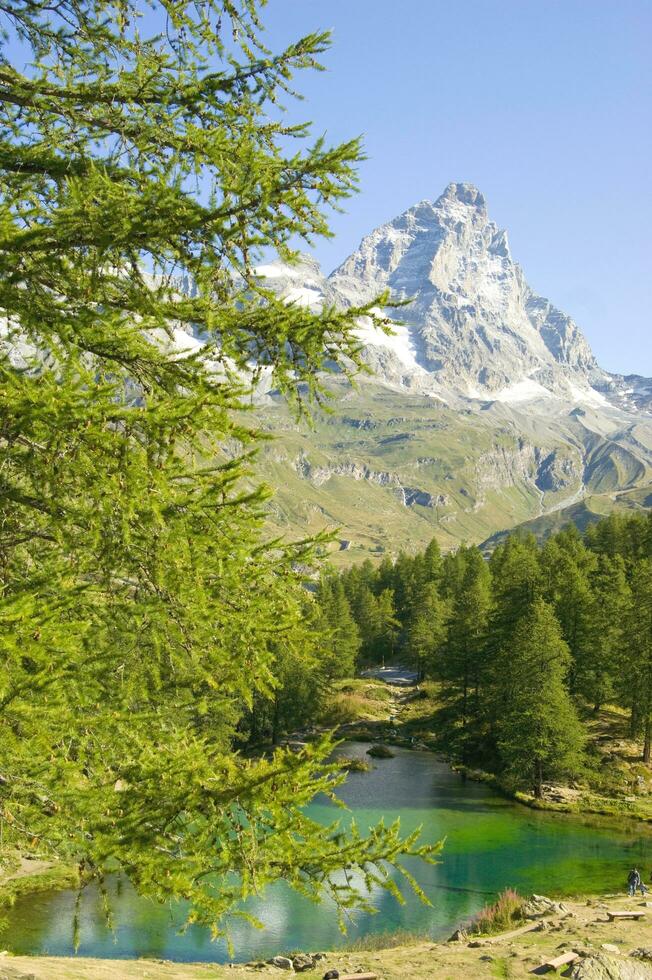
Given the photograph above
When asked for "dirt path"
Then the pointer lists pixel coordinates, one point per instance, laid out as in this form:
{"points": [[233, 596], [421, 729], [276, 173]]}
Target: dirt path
{"points": [[26, 868]]}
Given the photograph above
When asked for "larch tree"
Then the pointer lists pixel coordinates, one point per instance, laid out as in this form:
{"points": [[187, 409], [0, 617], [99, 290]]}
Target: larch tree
{"points": [[143, 166], [462, 666], [609, 630], [567, 575], [426, 629], [339, 635], [635, 675], [388, 626], [539, 735], [433, 561], [516, 583]]}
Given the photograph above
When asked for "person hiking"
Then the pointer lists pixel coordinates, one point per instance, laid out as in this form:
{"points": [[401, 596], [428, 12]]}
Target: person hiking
{"points": [[634, 882]]}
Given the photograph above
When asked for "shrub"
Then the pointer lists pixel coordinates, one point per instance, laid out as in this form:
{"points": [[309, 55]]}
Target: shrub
{"points": [[353, 765], [505, 913]]}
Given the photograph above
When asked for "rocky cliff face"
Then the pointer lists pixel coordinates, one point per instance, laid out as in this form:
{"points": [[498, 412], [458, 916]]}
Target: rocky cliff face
{"points": [[474, 327]]}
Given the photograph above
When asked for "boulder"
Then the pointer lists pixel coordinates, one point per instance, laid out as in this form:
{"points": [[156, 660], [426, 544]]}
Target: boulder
{"points": [[601, 966], [642, 953], [539, 905], [459, 936], [302, 962], [282, 962]]}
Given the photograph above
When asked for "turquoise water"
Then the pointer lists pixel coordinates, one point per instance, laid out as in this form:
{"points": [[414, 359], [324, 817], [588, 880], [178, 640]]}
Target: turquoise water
{"points": [[490, 844]]}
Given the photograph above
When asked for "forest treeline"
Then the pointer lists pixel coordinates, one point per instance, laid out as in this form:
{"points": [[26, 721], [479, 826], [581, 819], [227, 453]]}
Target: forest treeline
{"points": [[521, 642]]}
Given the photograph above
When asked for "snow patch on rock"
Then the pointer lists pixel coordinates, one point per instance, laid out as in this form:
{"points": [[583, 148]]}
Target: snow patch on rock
{"points": [[588, 396], [304, 296], [399, 342], [522, 391]]}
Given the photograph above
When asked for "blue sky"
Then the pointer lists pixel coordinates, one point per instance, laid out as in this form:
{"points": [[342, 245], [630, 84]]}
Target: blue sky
{"points": [[544, 104]]}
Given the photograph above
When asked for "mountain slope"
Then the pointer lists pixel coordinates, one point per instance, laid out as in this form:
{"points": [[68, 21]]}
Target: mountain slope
{"points": [[392, 469]]}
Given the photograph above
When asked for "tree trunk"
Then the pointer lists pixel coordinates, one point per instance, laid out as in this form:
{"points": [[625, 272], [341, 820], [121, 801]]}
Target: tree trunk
{"points": [[465, 698], [633, 721], [538, 779], [646, 744]]}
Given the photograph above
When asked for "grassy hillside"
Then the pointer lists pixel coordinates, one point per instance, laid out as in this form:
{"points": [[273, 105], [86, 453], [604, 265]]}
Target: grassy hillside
{"points": [[587, 511], [386, 469]]}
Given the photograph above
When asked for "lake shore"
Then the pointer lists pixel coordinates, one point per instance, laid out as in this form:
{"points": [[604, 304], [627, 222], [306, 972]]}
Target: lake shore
{"points": [[584, 928], [25, 875], [396, 718], [619, 784]]}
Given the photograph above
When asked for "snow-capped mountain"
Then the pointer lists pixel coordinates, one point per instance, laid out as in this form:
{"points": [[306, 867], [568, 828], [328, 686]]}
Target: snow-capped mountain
{"points": [[484, 409], [474, 328]]}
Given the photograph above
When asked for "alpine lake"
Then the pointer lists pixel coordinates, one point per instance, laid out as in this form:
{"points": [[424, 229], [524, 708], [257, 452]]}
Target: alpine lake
{"points": [[490, 844]]}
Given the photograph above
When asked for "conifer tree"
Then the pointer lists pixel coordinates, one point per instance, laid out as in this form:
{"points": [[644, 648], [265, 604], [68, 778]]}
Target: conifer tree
{"points": [[143, 167], [433, 561], [383, 576], [635, 676], [611, 614], [426, 632], [567, 567], [539, 735], [516, 584], [462, 665], [409, 574], [301, 686], [340, 639], [364, 607], [452, 570], [387, 627]]}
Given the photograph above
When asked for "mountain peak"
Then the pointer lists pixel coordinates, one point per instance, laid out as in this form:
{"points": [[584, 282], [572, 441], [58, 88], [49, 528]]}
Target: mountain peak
{"points": [[463, 193], [473, 322]]}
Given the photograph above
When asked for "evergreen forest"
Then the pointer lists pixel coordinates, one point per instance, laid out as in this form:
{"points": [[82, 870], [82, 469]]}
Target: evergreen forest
{"points": [[523, 643]]}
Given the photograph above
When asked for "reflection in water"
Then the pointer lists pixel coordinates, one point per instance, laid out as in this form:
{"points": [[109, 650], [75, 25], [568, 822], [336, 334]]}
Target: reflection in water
{"points": [[490, 844]]}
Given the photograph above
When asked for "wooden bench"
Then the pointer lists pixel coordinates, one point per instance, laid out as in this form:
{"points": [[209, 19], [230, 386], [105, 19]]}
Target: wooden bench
{"points": [[627, 914], [564, 960], [358, 976]]}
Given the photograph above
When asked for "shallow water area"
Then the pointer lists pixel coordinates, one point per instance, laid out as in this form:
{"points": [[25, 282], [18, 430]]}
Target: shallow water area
{"points": [[490, 844]]}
